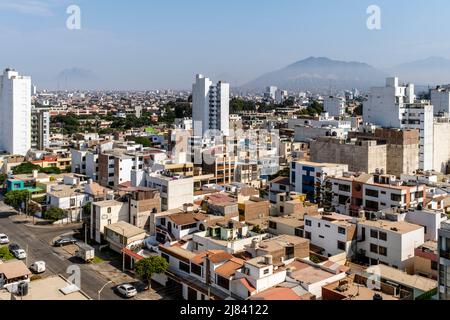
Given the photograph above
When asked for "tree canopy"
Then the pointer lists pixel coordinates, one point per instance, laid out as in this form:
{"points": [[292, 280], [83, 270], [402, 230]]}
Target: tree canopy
{"points": [[147, 267], [16, 198], [54, 214]]}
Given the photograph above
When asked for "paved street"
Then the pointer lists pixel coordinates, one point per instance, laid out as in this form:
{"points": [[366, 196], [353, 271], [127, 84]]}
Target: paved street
{"points": [[38, 240]]}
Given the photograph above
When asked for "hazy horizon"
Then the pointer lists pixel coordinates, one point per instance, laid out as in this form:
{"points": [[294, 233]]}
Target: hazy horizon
{"points": [[145, 45]]}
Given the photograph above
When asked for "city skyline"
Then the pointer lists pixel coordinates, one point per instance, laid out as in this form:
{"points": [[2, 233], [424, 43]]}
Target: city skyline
{"points": [[138, 47]]}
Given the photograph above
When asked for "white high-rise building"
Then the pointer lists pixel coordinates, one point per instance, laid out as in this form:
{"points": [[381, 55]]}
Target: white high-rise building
{"points": [[210, 106], [395, 106], [15, 113], [334, 106]]}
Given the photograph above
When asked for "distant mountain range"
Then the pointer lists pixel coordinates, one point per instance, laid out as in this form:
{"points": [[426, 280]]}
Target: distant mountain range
{"points": [[430, 71], [323, 74]]}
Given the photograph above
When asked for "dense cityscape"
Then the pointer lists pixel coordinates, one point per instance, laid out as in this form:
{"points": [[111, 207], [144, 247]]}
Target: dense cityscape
{"points": [[281, 189]]}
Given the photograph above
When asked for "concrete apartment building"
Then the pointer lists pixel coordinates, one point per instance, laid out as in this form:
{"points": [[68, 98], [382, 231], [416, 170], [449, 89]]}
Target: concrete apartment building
{"points": [[308, 177], [373, 193], [441, 155], [15, 110], [334, 106], [135, 208], [444, 261], [402, 148], [389, 243], [115, 167], [395, 106], [440, 99], [40, 129], [174, 191], [333, 233], [360, 156]]}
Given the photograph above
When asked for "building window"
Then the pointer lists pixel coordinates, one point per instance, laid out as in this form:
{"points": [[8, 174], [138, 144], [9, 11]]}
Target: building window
{"points": [[266, 271], [109, 210], [196, 269], [72, 202], [184, 267], [382, 251], [272, 225], [341, 230], [374, 234], [396, 197], [373, 248], [308, 223], [344, 188], [341, 245], [372, 193], [223, 282], [434, 265], [307, 235], [189, 226], [383, 236], [343, 200]]}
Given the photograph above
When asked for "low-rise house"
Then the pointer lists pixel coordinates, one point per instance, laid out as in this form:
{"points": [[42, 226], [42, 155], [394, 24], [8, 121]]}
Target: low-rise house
{"points": [[122, 234], [426, 260], [282, 249], [358, 287], [334, 233], [390, 243], [418, 287], [12, 273], [313, 277]]}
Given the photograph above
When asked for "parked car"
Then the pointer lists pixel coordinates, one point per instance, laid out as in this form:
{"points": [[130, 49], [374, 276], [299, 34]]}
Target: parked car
{"points": [[20, 254], [38, 267], [4, 238], [127, 290], [13, 247], [64, 242]]}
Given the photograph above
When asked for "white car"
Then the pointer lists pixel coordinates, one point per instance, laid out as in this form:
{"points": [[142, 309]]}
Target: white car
{"points": [[20, 254], [4, 239], [127, 290], [38, 267]]}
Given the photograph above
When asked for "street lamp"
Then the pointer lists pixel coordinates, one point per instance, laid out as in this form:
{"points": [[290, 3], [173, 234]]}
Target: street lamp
{"points": [[100, 291]]}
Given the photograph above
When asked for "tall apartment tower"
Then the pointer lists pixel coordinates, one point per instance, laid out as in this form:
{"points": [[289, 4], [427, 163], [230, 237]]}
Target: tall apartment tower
{"points": [[210, 106], [15, 113], [40, 129], [395, 106], [444, 261]]}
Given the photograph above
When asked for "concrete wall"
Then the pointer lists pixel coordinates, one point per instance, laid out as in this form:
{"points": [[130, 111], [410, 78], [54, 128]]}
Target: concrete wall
{"points": [[364, 157]]}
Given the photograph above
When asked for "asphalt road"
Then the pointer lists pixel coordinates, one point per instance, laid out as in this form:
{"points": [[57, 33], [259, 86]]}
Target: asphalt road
{"points": [[38, 243]]}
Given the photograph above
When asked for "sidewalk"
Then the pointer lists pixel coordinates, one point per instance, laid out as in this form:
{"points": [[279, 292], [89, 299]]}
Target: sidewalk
{"points": [[39, 223]]}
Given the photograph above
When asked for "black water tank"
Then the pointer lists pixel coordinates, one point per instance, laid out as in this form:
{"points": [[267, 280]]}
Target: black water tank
{"points": [[22, 289], [377, 297]]}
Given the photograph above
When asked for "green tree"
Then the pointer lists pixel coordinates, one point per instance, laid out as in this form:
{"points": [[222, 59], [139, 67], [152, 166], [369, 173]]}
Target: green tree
{"points": [[3, 178], [5, 254], [26, 168], [147, 267], [16, 198], [54, 214], [51, 170]]}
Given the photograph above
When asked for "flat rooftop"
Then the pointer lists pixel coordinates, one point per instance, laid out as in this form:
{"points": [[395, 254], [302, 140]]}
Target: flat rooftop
{"points": [[399, 227], [398, 276], [48, 289]]}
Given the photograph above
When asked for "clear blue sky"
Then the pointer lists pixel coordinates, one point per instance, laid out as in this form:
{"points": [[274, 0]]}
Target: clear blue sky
{"points": [[147, 44]]}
